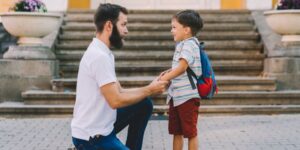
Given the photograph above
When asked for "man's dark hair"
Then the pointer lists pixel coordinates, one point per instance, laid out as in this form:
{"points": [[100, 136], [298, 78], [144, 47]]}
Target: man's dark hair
{"points": [[190, 18], [107, 12]]}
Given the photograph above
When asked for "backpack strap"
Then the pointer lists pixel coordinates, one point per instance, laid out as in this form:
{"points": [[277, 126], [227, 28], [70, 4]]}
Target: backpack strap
{"points": [[191, 74], [189, 71]]}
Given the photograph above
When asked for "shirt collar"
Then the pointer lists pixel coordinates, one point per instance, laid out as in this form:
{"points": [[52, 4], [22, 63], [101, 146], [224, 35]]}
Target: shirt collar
{"points": [[101, 45], [194, 38], [181, 42]]}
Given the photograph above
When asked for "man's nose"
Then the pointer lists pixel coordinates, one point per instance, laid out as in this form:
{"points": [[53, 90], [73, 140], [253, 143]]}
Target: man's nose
{"points": [[126, 31]]}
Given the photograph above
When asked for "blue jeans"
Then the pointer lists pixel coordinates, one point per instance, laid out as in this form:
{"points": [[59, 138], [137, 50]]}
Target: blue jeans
{"points": [[135, 116]]}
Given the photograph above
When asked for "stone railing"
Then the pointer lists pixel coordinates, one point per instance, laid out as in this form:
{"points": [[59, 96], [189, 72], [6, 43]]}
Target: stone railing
{"points": [[283, 58], [34, 72]]}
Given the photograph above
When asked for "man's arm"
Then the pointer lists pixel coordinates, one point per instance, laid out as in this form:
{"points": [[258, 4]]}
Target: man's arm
{"points": [[122, 90], [180, 69], [117, 99]]}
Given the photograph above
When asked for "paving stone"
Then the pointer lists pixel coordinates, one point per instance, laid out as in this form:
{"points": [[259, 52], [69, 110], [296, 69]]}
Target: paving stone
{"points": [[246, 132]]}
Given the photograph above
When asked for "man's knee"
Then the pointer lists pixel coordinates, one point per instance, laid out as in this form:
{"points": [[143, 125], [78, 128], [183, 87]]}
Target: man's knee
{"points": [[148, 105]]}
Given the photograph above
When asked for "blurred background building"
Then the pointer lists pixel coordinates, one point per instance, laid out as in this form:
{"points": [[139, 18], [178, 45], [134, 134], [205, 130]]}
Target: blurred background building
{"points": [[63, 5]]}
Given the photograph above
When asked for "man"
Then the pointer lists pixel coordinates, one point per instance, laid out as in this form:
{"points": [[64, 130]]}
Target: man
{"points": [[103, 108]]}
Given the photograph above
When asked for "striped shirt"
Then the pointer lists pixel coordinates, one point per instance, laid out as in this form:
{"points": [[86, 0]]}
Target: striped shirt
{"points": [[180, 89]]}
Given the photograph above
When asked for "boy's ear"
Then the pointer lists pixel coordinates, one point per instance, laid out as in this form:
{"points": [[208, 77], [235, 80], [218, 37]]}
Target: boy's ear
{"points": [[187, 30]]}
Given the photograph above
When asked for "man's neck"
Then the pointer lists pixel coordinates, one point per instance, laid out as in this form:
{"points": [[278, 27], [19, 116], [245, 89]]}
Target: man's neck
{"points": [[103, 38]]}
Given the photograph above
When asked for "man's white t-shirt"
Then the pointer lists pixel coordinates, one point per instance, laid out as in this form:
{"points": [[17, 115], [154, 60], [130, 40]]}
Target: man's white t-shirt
{"points": [[92, 114]]}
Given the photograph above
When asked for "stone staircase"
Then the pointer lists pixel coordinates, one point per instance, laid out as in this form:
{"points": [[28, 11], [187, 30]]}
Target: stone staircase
{"points": [[231, 40]]}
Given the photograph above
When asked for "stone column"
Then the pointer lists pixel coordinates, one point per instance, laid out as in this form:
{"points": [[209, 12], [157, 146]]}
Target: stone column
{"points": [[282, 58], [28, 67], [284, 63]]}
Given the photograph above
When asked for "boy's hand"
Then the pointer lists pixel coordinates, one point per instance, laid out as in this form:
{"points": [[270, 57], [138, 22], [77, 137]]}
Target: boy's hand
{"points": [[163, 73]]}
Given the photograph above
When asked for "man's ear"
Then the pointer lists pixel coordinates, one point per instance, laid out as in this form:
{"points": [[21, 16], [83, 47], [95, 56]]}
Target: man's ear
{"points": [[108, 26]]}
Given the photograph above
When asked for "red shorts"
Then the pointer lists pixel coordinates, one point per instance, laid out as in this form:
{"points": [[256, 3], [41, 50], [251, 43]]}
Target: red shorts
{"points": [[183, 118]]}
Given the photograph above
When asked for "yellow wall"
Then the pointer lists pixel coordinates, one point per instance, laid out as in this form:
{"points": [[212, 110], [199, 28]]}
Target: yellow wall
{"points": [[6, 4], [79, 4], [233, 4], [274, 3]]}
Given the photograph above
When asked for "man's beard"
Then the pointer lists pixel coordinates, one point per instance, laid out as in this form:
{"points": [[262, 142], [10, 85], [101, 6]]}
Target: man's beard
{"points": [[115, 39]]}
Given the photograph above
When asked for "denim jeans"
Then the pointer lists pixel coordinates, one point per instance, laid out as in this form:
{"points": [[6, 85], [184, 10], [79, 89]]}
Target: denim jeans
{"points": [[136, 117]]}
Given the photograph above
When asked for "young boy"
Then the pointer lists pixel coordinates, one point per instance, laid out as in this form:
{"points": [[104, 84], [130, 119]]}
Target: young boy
{"points": [[183, 100]]}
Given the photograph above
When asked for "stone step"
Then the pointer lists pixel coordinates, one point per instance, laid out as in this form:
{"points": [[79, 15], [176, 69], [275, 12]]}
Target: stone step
{"points": [[171, 12], [163, 27], [252, 68], [240, 109], [154, 35], [166, 18], [168, 45], [73, 74], [225, 83], [222, 98], [21, 109], [68, 70], [161, 55]]}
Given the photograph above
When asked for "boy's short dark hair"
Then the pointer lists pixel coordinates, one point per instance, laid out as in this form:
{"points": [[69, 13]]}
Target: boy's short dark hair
{"points": [[190, 18], [107, 12]]}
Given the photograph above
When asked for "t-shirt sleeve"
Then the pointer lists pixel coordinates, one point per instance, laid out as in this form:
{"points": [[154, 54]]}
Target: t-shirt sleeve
{"points": [[103, 70], [187, 53]]}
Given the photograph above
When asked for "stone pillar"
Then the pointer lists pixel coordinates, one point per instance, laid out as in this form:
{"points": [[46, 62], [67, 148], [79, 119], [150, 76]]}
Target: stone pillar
{"points": [[283, 63], [282, 58], [26, 68]]}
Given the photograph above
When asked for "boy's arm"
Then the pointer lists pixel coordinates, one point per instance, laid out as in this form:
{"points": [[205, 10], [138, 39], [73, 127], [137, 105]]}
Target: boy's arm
{"points": [[180, 69]]}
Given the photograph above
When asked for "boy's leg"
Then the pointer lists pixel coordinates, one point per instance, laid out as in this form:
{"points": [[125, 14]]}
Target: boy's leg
{"points": [[188, 113], [177, 142], [137, 117], [193, 143], [175, 127]]}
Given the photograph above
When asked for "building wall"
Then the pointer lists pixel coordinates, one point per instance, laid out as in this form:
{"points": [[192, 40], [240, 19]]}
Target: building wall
{"points": [[56, 5], [52, 5], [162, 4], [79, 4], [192, 4], [63, 5], [259, 4], [233, 4], [6, 4]]}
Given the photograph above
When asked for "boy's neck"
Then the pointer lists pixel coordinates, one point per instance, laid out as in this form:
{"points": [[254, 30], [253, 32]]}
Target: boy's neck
{"points": [[187, 37]]}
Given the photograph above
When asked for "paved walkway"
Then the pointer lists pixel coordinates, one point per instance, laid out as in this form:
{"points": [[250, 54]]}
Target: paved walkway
{"points": [[275, 132]]}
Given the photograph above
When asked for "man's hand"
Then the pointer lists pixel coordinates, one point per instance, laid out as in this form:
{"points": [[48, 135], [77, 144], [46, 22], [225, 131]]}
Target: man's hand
{"points": [[157, 87]]}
